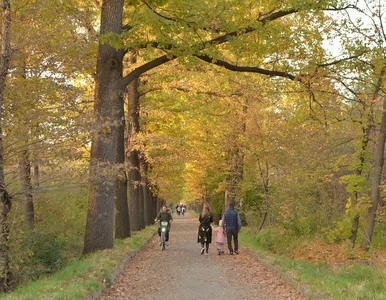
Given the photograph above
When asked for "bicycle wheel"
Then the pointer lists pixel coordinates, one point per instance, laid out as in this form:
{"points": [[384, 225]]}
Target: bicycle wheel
{"points": [[163, 241]]}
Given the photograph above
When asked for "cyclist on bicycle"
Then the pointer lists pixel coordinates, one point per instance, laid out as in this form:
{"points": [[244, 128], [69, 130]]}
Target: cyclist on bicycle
{"points": [[164, 215]]}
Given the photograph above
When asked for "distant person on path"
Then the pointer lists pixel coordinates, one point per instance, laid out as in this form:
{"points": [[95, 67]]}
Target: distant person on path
{"points": [[178, 209], [164, 215], [220, 237], [232, 223], [204, 229]]}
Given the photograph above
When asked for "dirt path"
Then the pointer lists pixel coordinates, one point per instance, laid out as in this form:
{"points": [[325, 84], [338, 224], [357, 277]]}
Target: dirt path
{"points": [[181, 272]]}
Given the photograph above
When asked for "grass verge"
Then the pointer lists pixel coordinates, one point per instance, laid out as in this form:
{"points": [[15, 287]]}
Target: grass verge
{"points": [[351, 280], [84, 277]]}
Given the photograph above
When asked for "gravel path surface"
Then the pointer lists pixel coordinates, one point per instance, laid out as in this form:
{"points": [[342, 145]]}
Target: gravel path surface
{"points": [[181, 272]]}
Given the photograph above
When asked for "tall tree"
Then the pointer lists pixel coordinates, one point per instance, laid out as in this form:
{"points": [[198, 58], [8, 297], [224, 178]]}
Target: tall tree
{"points": [[108, 95], [364, 79], [5, 202]]}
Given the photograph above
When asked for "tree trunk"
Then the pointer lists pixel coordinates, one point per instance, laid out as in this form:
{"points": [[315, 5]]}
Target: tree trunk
{"points": [[135, 193], [262, 222], [36, 175], [158, 204], [375, 182], [237, 165], [378, 167], [141, 203], [26, 185], [132, 191], [154, 207], [5, 272], [264, 174], [133, 161], [232, 192], [146, 192], [108, 95], [133, 157], [5, 202], [365, 142], [122, 220]]}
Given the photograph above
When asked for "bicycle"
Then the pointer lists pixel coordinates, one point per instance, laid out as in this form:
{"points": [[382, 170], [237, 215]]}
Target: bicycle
{"points": [[164, 228]]}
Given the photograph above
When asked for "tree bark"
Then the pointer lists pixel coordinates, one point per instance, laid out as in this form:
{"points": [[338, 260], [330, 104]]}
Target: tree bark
{"points": [[5, 201], [133, 158], [262, 222], [122, 219], [36, 175], [26, 185], [154, 206], [379, 157], [359, 170], [375, 182], [108, 95], [145, 191], [264, 174], [136, 205]]}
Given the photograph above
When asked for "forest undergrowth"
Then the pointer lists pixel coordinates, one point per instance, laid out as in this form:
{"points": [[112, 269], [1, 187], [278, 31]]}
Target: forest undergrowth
{"points": [[336, 270]]}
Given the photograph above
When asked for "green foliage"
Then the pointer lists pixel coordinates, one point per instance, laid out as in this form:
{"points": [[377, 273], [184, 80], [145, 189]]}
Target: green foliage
{"points": [[71, 204], [54, 241], [84, 277], [272, 240], [300, 221], [355, 183], [253, 200], [343, 228], [112, 39], [45, 253], [217, 203], [252, 209], [379, 238]]}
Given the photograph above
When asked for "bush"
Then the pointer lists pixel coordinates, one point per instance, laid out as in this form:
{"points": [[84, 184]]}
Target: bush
{"points": [[251, 211], [42, 255]]}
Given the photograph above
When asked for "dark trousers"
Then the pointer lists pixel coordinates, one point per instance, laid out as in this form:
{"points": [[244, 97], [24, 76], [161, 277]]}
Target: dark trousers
{"points": [[235, 234], [166, 233]]}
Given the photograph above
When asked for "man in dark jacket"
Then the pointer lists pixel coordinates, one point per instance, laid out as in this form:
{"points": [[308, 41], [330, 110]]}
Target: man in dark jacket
{"points": [[232, 223], [164, 215]]}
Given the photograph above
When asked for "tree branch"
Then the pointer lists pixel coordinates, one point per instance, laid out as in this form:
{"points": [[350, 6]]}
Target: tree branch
{"points": [[216, 41], [227, 36], [341, 60], [263, 19], [144, 68], [231, 67]]}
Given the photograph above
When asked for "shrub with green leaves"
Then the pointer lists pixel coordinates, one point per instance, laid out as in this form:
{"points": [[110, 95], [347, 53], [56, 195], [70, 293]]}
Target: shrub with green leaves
{"points": [[44, 253]]}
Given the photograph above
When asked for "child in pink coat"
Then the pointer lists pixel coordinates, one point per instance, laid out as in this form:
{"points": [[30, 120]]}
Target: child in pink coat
{"points": [[220, 237]]}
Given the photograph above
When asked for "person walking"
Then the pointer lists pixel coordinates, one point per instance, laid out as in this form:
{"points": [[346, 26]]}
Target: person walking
{"points": [[178, 209], [220, 237], [232, 223], [204, 229]]}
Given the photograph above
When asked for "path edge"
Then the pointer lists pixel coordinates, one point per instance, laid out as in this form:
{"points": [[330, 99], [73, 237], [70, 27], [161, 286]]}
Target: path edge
{"points": [[122, 266], [298, 286]]}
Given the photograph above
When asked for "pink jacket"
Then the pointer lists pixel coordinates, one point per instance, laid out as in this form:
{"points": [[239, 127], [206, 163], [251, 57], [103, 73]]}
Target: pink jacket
{"points": [[220, 234]]}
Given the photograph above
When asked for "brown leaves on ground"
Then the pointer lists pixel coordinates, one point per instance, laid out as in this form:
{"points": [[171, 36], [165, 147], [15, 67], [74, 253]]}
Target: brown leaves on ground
{"points": [[336, 254]]}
